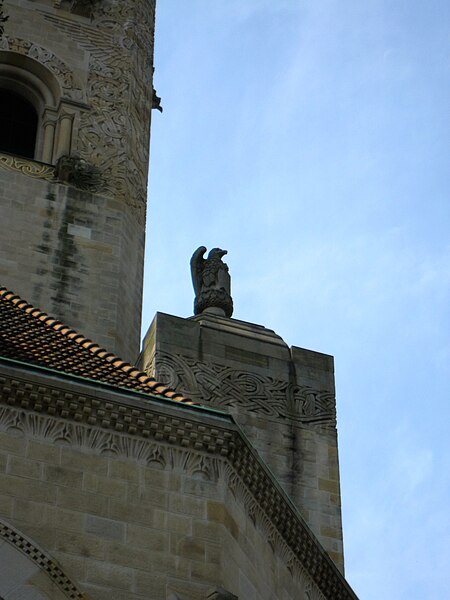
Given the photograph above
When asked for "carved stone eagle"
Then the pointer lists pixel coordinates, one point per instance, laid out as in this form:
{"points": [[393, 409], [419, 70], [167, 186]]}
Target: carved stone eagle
{"points": [[212, 283]]}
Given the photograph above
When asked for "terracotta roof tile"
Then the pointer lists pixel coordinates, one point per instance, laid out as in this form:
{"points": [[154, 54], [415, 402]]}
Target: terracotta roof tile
{"points": [[29, 335]]}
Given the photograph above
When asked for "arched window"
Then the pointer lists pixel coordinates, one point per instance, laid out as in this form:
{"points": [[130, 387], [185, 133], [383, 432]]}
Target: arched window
{"points": [[18, 124], [35, 120]]}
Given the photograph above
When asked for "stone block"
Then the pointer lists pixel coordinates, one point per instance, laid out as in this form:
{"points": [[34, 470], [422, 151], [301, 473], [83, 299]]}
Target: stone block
{"points": [[146, 537], [43, 452], [23, 467], [64, 520], [123, 469], [82, 501], [6, 505], [329, 486], [113, 577], [105, 528], [188, 547], [218, 513], [81, 545], [172, 522], [84, 461], [128, 556], [21, 487], [63, 476], [29, 512], [195, 507], [131, 513]]}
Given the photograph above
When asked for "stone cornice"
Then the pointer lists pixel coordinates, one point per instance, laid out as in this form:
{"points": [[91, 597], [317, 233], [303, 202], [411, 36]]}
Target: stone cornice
{"points": [[30, 398]]}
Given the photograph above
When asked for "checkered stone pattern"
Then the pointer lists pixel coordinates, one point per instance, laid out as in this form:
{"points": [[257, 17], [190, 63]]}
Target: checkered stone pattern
{"points": [[42, 560]]}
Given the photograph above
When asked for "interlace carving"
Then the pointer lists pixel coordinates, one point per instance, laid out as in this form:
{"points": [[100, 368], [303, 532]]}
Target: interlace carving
{"points": [[28, 167], [3, 19], [71, 89], [220, 385], [114, 134]]}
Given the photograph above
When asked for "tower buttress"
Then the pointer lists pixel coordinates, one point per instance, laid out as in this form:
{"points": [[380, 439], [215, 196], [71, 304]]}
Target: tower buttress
{"points": [[73, 207]]}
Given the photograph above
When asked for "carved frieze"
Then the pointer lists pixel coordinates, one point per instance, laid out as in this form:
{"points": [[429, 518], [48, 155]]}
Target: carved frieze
{"points": [[27, 167], [225, 386], [3, 18]]}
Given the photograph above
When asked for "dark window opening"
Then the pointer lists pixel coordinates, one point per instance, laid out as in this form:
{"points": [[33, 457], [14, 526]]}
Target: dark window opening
{"points": [[18, 125]]}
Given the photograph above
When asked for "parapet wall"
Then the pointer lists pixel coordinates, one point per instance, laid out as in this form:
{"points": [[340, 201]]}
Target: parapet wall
{"points": [[283, 398]]}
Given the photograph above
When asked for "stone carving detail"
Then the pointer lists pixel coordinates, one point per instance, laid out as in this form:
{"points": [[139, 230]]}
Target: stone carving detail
{"points": [[93, 411], [164, 441], [234, 388], [62, 72], [42, 560], [78, 172], [27, 167], [155, 455], [114, 134], [3, 19], [212, 283]]}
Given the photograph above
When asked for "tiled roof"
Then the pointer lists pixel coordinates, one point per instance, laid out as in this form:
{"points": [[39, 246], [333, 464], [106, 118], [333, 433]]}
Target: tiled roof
{"points": [[29, 335]]}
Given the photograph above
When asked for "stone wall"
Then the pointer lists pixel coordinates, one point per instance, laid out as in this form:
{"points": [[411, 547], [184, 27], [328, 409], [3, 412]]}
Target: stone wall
{"points": [[136, 498], [75, 254], [283, 398]]}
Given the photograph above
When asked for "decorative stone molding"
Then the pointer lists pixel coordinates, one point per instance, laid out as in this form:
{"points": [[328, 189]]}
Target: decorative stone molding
{"points": [[70, 87], [43, 560], [223, 386], [31, 168], [211, 446], [113, 135], [3, 19]]}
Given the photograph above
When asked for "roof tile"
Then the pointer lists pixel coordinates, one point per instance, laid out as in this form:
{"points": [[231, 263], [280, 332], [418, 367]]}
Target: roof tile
{"points": [[29, 335]]}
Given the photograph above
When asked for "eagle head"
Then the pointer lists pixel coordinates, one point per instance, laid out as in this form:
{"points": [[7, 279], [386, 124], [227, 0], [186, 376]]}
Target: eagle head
{"points": [[217, 253]]}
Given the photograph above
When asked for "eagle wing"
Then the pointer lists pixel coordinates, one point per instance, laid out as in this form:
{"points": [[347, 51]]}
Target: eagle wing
{"points": [[197, 266]]}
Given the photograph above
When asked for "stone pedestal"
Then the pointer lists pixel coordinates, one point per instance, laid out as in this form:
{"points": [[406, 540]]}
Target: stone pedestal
{"points": [[283, 398]]}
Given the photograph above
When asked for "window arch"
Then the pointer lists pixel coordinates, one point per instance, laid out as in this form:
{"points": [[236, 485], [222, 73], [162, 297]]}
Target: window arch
{"points": [[28, 571], [38, 92]]}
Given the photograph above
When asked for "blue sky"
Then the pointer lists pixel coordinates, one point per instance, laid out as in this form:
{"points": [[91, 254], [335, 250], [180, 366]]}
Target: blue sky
{"points": [[311, 138]]}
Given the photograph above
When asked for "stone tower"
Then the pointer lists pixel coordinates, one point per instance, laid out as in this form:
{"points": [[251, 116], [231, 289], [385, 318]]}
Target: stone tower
{"points": [[76, 96]]}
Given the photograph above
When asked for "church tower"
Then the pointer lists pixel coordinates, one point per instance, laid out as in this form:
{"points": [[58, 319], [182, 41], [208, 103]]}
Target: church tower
{"points": [[76, 95]]}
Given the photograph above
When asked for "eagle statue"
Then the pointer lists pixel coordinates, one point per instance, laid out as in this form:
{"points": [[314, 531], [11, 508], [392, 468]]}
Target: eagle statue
{"points": [[212, 283]]}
